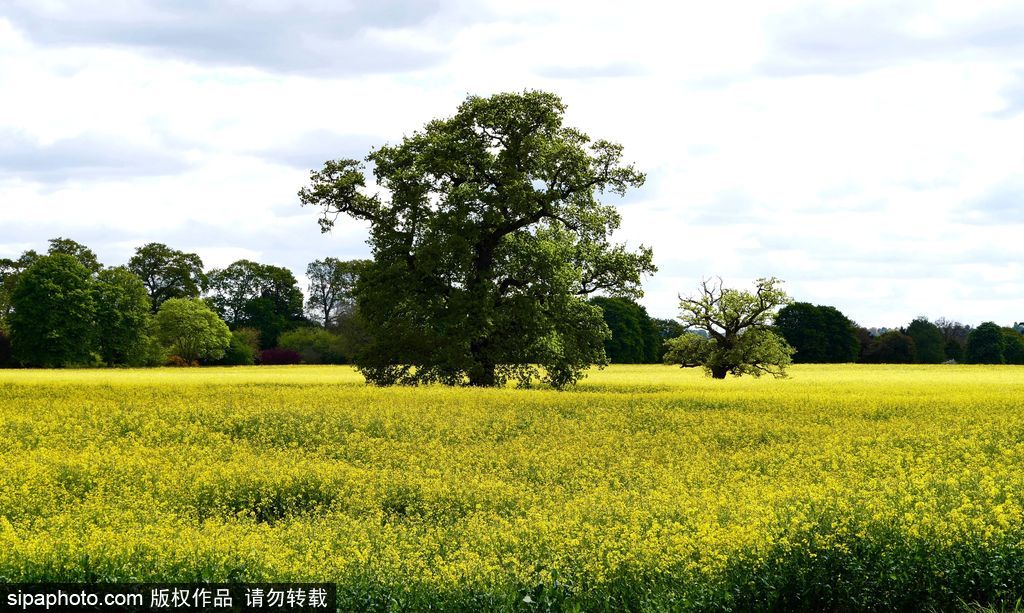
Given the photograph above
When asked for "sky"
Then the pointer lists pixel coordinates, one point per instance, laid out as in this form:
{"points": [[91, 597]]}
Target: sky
{"points": [[867, 153]]}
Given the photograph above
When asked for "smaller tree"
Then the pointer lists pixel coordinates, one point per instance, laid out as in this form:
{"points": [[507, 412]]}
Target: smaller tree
{"points": [[122, 317], [893, 347], [168, 273], [635, 338], [738, 324], [191, 330], [985, 345], [332, 285], [1013, 346], [53, 321], [928, 341]]}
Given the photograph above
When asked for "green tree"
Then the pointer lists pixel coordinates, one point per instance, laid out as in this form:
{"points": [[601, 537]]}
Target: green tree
{"points": [[315, 345], [635, 338], [76, 250], [53, 318], [191, 330], [332, 285], [985, 345], [818, 333], [10, 272], [667, 329], [929, 342], [1013, 346], [168, 273], [738, 326], [243, 349], [260, 296], [122, 317], [893, 347], [489, 243]]}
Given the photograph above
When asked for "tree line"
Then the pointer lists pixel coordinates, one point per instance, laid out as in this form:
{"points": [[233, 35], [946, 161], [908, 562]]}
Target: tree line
{"points": [[493, 262], [63, 308]]}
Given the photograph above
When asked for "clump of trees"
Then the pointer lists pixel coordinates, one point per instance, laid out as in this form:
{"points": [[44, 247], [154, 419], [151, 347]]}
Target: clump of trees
{"points": [[739, 338], [818, 333], [487, 247], [64, 308]]}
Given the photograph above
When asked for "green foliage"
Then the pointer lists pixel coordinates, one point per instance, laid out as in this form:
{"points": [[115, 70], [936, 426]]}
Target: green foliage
{"points": [[315, 345], [737, 323], [242, 350], [893, 347], [954, 350], [331, 289], [191, 330], [260, 296], [929, 342], [168, 273], [985, 345], [76, 250], [635, 337], [10, 272], [53, 321], [489, 243], [6, 353], [1013, 346], [819, 334], [122, 317]]}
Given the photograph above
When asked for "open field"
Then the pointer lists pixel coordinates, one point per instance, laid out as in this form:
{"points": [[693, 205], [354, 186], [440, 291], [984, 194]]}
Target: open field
{"points": [[647, 487]]}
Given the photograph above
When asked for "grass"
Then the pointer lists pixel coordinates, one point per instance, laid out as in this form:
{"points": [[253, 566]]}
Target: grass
{"points": [[646, 488]]}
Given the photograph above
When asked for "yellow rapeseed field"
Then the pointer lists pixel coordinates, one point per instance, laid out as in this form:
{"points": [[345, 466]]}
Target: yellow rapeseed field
{"points": [[646, 487]]}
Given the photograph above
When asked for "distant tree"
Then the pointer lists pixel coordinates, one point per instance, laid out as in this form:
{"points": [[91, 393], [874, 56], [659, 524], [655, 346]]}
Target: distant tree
{"points": [[667, 329], [168, 273], [929, 343], [635, 338], [10, 272], [818, 333], [1013, 346], [122, 317], [191, 330], [892, 347], [260, 296], [76, 250], [53, 321], [332, 285], [242, 350], [985, 345], [487, 238], [953, 332], [867, 342], [954, 350], [315, 345], [738, 323]]}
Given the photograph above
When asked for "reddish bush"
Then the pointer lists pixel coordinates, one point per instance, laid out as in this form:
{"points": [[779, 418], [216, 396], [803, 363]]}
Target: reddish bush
{"points": [[279, 356], [177, 360]]}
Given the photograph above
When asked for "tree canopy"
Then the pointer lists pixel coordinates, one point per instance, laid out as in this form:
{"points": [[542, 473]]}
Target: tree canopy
{"points": [[489, 240], [122, 317], [929, 343], [738, 326], [191, 329], [53, 318], [818, 333], [332, 289], [985, 345], [168, 273], [260, 296], [635, 337]]}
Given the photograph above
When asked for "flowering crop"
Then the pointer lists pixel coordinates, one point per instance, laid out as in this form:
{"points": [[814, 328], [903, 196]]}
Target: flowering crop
{"points": [[647, 487]]}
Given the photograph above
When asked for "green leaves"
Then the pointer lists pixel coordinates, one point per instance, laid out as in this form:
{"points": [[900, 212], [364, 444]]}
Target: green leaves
{"points": [[490, 240]]}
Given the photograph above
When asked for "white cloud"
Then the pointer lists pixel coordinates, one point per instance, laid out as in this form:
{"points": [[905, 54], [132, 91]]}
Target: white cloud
{"points": [[865, 152]]}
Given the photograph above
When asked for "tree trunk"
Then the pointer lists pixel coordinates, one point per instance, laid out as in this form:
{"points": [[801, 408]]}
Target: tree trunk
{"points": [[482, 374], [719, 372]]}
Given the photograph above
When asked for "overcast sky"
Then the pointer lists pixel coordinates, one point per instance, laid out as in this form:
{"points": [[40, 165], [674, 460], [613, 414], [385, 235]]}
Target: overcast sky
{"points": [[868, 153]]}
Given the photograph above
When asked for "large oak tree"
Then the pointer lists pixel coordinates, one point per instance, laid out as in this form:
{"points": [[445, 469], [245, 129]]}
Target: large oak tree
{"points": [[487, 237]]}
